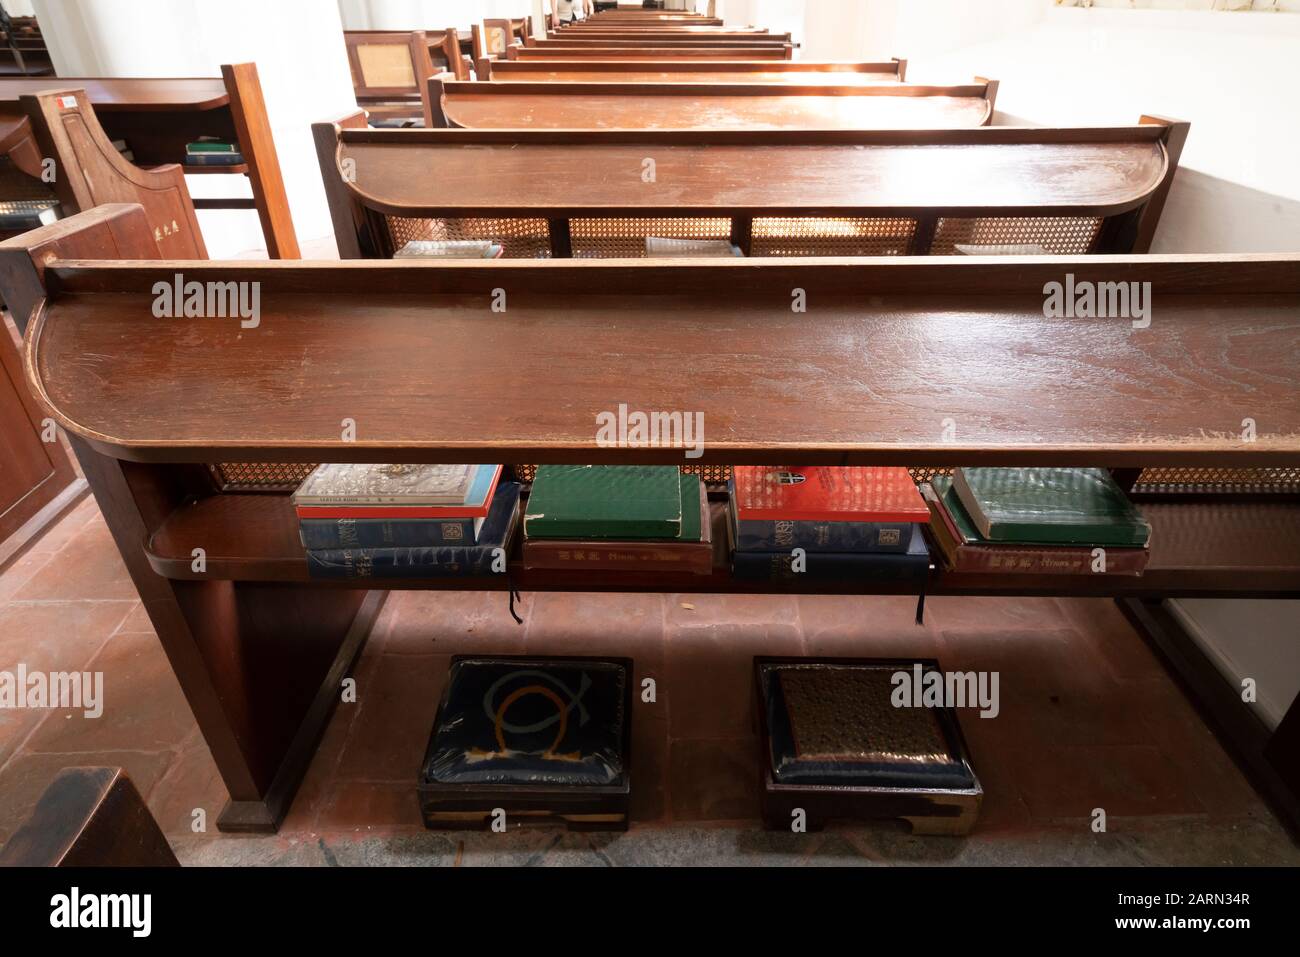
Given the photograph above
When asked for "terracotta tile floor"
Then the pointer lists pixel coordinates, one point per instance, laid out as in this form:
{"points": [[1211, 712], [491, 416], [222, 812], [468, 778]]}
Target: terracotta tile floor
{"points": [[1089, 719]]}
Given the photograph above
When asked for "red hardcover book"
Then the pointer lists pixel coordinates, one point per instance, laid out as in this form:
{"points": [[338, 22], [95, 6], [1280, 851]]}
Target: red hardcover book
{"points": [[827, 493], [399, 512]]}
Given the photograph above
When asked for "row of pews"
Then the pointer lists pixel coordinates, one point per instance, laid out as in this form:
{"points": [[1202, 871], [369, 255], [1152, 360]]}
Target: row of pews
{"points": [[572, 150]]}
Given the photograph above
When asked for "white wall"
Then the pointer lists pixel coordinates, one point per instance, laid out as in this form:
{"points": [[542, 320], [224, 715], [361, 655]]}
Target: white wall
{"points": [[426, 14], [301, 62], [1234, 76]]}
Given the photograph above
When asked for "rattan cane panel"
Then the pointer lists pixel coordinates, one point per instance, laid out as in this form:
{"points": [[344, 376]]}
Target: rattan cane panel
{"points": [[259, 476], [625, 238], [823, 236], [17, 185], [1059, 235], [521, 238], [1203, 481]]}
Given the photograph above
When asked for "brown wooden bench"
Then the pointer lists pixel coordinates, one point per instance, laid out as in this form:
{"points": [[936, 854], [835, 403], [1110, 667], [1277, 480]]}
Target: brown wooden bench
{"points": [[157, 117], [1045, 391], [582, 194], [681, 106], [659, 52], [796, 72]]}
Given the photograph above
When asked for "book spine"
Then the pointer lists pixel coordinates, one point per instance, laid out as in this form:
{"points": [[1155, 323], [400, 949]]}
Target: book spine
{"points": [[378, 533], [399, 563], [880, 537], [695, 559], [1010, 559], [392, 513], [864, 566], [1118, 536], [616, 531], [213, 159]]}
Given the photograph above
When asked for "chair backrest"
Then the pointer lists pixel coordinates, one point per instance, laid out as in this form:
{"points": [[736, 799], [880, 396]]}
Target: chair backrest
{"points": [[387, 64]]}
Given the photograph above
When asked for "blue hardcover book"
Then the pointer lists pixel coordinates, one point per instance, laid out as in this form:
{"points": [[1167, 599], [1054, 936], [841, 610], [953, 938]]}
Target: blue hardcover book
{"points": [[433, 561], [320, 533], [775, 536], [910, 566]]}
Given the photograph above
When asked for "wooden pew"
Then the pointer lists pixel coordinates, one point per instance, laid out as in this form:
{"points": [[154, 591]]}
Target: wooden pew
{"points": [[89, 817], [798, 72], [259, 648], [783, 49], [157, 117], [1070, 191], [649, 53], [750, 106]]}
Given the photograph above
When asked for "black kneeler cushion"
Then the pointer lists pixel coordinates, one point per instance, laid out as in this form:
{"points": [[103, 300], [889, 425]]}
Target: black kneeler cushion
{"points": [[834, 724], [530, 722]]}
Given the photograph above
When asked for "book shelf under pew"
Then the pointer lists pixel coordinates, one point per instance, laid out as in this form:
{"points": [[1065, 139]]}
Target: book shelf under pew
{"points": [[885, 352]]}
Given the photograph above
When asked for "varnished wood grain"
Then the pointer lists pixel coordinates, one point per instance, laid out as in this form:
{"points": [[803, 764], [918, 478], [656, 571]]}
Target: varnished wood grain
{"points": [[888, 351], [647, 53], [984, 170], [657, 106], [110, 95], [691, 71]]}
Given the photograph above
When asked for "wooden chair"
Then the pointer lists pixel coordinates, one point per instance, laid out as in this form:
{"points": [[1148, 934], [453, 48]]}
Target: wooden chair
{"points": [[89, 817], [716, 106], [1064, 191], [156, 118], [389, 73], [1096, 392]]}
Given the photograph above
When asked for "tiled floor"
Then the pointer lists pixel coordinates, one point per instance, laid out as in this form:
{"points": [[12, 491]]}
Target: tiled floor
{"points": [[1089, 719]]}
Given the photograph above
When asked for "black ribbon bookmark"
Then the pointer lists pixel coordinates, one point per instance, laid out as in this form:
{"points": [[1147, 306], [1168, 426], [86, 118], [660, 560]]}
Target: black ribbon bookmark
{"points": [[514, 595], [920, 606]]}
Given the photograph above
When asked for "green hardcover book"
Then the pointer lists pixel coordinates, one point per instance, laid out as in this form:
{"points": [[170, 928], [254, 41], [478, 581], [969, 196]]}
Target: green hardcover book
{"points": [[211, 146], [605, 502], [1050, 507], [692, 490]]}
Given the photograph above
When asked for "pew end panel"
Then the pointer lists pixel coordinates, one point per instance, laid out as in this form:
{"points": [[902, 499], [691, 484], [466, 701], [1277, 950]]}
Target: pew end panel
{"points": [[259, 665], [90, 171]]}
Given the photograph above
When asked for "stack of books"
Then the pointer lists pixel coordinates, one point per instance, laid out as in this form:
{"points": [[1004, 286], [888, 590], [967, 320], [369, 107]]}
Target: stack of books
{"points": [[1037, 521], [210, 151], [623, 518], [406, 521], [838, 523]]}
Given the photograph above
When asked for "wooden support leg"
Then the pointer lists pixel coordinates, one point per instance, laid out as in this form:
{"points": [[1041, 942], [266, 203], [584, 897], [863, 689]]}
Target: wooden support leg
{"points": [[259, 663], [1270, 759]]}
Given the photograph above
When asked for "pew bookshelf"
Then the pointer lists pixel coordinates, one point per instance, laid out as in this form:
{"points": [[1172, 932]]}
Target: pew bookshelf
{"points": [[884, 354]]}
